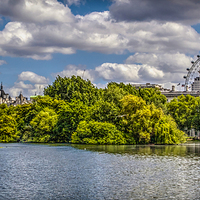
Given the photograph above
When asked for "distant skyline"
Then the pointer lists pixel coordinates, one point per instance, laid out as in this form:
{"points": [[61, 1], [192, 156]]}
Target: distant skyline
{"points": [[130, 41]]}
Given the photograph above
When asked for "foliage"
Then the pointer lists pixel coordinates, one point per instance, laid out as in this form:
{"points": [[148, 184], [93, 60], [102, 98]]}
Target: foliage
{"points": [[74, 110], [104, 111], [113, 93], [74, 88], [8, 129], [166, 132], [69, 117], [146, 123], [43, 124], [185, 111], [97, 133], [150, 95]]}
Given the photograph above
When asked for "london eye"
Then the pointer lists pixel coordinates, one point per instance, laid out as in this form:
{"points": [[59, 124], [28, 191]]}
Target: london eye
{"points": [[193, 72]]}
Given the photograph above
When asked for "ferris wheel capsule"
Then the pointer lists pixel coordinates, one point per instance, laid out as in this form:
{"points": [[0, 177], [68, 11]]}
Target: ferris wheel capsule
{"points": [[192, 62], [198, 56]]}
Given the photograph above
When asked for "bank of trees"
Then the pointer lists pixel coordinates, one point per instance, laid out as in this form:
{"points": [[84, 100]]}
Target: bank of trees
{"points": [[74, 110]]}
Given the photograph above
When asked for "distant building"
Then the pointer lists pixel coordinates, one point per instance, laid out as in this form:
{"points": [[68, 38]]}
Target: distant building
{"points": [[171, 94], [196, 84], [20, 100], [195, 91], [5, 98], [147, 85]]}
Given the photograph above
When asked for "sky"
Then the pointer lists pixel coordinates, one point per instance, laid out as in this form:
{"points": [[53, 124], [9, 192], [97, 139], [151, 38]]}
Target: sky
{"points": [[130, 41]]}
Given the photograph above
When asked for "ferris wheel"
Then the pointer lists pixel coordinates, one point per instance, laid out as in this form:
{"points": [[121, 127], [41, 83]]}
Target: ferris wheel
{"points": [[193, 72]]}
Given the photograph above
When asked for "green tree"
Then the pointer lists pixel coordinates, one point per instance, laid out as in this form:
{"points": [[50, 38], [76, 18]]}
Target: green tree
{"points": [[146, 123], [113, 93], [69, 117], [97, 133], [166, 131], [183, 109], [74, 88], [43, 124], [8, 129], [104, 111]]}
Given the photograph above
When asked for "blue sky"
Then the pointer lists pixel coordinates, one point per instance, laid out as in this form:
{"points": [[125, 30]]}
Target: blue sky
{"points": [[130, 41]]}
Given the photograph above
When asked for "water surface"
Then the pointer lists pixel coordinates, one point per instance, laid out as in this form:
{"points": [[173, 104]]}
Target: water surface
{"points": [[32, 171]]}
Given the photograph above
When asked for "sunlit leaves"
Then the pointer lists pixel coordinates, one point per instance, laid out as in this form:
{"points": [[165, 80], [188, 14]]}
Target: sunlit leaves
{"points": [[97, 133]]}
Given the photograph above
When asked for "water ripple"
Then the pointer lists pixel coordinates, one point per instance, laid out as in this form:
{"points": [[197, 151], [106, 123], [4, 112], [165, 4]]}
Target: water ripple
{"points": [[29, 171]]}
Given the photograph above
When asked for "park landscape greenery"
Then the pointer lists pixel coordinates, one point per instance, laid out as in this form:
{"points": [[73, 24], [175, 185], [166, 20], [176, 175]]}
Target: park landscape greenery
{"points": [[73, 110]]}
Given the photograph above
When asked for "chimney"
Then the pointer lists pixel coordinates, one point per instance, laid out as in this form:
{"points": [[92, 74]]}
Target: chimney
{"points": [[173, 88], [187, 88]]}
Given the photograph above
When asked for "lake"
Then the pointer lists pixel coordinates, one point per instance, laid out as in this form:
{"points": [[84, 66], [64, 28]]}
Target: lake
{"points": [[35, 171]]}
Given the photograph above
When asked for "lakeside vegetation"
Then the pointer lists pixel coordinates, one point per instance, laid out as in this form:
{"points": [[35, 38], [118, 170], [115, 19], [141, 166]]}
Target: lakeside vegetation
{"points": [[74, 110]]}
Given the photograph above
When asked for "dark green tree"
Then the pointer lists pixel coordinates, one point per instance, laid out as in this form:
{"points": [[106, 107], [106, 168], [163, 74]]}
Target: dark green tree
{"points": [[74, 88]]}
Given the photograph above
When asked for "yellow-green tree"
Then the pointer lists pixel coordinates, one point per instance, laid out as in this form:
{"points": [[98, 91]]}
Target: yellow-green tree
{"points": [[97, 133], [8, 129], [43, 124], [147, 123]]}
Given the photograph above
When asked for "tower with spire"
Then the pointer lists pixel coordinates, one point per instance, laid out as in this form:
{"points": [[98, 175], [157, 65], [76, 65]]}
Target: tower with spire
{"points": [[4, 97]]}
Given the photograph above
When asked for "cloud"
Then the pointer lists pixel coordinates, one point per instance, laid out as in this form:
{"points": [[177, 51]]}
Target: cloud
{"points": [[172, 66], [22, 85], [2, 62], [39, 11], [118, 72], [159, 68], [184, 11], [71, 70], [51, 28], [14, 92], [174, 63], [150, 73], [36, 84], [135, 73], [106, 71], [32, 77], [76, 2]]}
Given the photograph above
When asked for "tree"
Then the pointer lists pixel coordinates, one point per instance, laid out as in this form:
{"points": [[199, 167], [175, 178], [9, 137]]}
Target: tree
{"points": [[97, 133], [104, 111], [8, 129], [167, 132], [183, 109], [69, 117], [74, 88], [43, 124], [147, 123]]}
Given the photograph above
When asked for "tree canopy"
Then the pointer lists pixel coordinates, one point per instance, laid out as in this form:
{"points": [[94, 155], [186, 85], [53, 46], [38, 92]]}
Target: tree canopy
{"points": [[74, 110]]}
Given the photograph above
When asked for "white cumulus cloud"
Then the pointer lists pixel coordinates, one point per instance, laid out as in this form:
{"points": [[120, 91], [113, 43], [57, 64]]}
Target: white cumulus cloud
{"points": [[167, 62], [32, 77], [2, 62], [118, 72], [44, 27], [71, 70], [35, 85], [36, 11]]}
